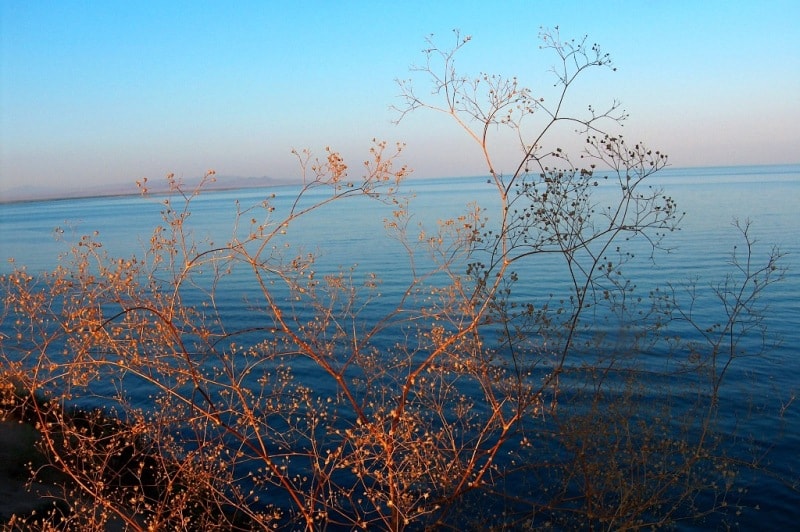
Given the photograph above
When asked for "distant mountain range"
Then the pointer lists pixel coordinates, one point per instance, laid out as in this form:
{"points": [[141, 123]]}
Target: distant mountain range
{"points": [[154, 186]]}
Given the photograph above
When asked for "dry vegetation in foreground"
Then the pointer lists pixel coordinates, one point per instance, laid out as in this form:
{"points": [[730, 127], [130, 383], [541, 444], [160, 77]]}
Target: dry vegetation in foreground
{"points": [[491, 409]]}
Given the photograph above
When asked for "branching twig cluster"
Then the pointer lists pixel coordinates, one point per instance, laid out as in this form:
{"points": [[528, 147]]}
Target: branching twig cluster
{"points": [[488, 396]]}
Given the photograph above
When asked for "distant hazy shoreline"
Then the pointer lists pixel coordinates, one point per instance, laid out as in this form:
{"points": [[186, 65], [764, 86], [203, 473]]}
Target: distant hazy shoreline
{"points": [[155, 186], [22, 193]]}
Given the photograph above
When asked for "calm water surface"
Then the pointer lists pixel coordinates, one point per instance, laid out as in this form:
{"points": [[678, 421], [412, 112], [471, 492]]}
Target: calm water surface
{"points": [[352, 233]]}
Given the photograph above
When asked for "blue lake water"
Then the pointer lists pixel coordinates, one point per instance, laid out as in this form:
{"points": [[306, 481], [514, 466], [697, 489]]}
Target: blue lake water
{"points": [[352, 233]]}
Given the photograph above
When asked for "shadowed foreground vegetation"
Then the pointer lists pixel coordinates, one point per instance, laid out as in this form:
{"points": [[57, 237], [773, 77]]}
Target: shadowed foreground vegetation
{"points": [[465, 404]]}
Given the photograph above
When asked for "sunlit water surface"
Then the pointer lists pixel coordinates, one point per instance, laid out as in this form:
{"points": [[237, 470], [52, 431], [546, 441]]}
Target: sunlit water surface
{"points": [[352, 233]]}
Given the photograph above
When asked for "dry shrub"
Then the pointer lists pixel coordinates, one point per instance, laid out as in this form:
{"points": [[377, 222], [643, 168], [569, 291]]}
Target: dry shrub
{"points": [[489, 408]]}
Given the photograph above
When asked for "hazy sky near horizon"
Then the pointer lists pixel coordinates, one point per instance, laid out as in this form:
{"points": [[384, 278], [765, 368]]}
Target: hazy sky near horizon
{"points": [[97, 93]]}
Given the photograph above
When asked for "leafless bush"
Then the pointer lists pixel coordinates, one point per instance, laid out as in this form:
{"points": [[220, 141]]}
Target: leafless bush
{"points": [[490, 408]]}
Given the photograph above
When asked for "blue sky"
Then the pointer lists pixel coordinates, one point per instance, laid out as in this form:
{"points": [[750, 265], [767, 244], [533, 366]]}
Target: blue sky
{"points": [[108, 92]]}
